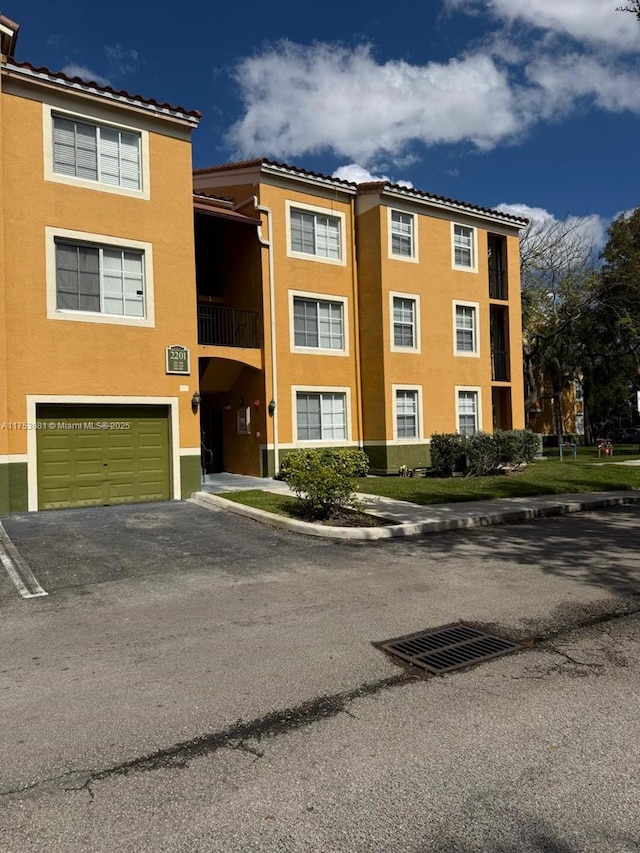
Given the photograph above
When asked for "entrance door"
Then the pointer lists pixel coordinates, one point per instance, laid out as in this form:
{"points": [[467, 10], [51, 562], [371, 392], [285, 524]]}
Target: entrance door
{"points": [[217, 447]]}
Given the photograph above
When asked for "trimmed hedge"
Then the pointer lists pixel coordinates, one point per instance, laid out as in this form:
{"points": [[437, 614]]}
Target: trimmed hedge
{"points": [[483, 453], [322, 478], [447, 452]]}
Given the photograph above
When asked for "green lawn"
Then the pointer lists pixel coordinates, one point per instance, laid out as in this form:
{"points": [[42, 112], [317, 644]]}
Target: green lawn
{"points": [[268, 501], [287, 505], [540, 478], [547, 477]]}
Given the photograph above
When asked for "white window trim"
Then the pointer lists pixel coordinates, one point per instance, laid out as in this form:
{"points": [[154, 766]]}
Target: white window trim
{"points": [[420, 436], [48, 112], [413, 258], [476, 330], [322, 211], [101, 240], [319, 389], [478, 390], [33, 400], [321, 297], [417, 344], [474, 248]]}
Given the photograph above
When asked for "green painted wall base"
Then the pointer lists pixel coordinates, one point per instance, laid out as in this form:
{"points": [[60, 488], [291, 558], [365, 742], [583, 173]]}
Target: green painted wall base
{"points": [[389, 458], [190, 476], [13, 483], [13, 487], [384, 458]]}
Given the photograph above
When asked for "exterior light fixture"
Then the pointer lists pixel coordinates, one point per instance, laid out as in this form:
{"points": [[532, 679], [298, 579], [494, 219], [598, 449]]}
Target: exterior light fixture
{"points": [[195, 401], [272, 407]]}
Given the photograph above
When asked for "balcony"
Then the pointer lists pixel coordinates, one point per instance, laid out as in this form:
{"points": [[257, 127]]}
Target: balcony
{"points": [[219, 326], [500, 366], [497, 283]]}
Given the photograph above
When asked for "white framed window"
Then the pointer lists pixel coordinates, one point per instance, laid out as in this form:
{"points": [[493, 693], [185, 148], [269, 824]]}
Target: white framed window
{"points": [[318, 323], [92, 152], [578, 391], [96, 152], [579, 418], [315, 233], [405, 321], [464, 247], [465, 329], [402, 236], [321, 415], [407, 408], [97, 278], [468, 410]]}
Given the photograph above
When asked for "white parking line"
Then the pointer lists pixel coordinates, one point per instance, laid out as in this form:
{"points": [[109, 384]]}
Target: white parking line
{"points": [[18, 569]]}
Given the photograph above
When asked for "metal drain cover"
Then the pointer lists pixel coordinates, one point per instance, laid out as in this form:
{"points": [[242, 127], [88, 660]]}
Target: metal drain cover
{"points": [[447, 648]]}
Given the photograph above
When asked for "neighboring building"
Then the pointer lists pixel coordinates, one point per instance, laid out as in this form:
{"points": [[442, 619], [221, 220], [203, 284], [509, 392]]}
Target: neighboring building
{"points": [[387, 314], [559, 413], [97, 279]]}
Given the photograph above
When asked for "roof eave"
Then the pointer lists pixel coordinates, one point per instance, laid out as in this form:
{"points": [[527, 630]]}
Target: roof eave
{"points": [[8, 36], [393, 191], [89, 89]]}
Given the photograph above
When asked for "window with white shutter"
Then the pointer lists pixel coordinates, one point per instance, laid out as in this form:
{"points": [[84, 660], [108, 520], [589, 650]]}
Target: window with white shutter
{"points": [[94, 152]]}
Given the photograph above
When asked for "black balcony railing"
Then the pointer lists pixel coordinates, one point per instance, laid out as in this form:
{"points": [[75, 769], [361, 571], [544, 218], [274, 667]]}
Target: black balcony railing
{"points": [[497, 283], [500, 366], [228, 327]]}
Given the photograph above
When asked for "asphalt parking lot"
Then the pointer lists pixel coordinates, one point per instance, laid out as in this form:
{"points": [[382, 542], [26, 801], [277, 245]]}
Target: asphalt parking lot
{"points": [[67, 549], [196, 681]]}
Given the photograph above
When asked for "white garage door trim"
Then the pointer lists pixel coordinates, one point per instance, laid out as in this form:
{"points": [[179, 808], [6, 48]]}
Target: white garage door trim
{"points": [[34, 400]]}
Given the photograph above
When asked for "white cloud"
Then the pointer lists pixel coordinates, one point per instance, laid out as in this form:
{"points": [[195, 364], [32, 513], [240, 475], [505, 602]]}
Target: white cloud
{"points": [[561, 81], [593, 21], [359, 175], [73, 70], [122, 60], [326, 97], [591, 229], [312, 99]]}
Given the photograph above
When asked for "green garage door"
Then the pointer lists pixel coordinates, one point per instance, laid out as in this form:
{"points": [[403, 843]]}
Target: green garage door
{"points": [[100, 455]]}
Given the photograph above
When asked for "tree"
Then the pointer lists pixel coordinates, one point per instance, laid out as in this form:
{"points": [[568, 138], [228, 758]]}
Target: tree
{"points": [[559, 286], [634, 8], [581, 317], [612, 335]]}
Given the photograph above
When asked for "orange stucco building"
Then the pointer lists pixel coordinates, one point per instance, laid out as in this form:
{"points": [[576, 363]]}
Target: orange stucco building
{"points": [[148, 311], [97, 279], [387, 314]]}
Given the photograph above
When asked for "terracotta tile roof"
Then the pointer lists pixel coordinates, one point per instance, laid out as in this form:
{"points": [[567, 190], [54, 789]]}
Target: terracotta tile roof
{"points": [[410, 192], [214, 198], [284, 167], [216, 205], [91, 86], [370, 186]]}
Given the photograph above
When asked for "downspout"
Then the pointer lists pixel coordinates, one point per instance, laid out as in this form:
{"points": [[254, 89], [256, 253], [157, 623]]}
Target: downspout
{"points": [[356, 325], [272, 325]]}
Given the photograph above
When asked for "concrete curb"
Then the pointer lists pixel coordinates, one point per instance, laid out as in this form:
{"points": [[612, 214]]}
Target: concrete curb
{"points": [[547, 506]]}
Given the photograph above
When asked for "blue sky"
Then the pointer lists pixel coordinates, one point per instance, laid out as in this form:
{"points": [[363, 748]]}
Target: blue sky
{"points": [[533, 104]]}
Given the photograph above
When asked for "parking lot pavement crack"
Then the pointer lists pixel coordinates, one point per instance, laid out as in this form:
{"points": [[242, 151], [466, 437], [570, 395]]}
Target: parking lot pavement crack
{"points": [[244, 747], [572, 660], [241, 734], [180, 755]]}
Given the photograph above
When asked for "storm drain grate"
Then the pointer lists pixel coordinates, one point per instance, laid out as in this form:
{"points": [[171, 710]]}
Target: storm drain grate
{"points": [[447, 648]]}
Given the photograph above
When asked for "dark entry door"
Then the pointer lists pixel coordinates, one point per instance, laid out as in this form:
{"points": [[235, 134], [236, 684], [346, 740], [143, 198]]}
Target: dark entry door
{"points": [[217, 434]]}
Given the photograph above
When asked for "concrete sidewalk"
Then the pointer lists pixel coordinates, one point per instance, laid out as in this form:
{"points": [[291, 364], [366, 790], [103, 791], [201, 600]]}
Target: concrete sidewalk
{"points": [[409, 519]]}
